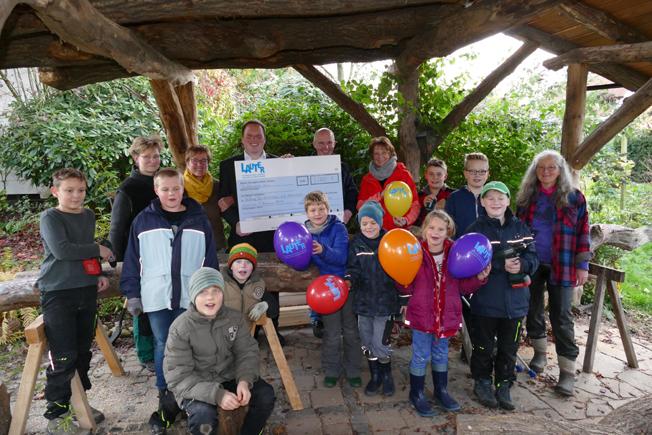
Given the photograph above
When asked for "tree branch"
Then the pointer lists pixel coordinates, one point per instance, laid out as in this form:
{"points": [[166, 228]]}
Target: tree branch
{"points": [[621, 53]]}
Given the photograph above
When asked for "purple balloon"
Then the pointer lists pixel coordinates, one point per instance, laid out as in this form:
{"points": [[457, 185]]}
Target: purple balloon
{"points": [[469, 255], [293, 245]]}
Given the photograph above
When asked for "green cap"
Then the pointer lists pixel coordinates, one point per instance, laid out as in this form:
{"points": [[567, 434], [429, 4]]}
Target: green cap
{"points": [[495, 185]]}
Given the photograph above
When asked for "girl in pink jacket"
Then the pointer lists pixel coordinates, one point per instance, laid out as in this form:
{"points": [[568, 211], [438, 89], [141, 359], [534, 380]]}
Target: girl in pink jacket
{"points": [[434, 312]]}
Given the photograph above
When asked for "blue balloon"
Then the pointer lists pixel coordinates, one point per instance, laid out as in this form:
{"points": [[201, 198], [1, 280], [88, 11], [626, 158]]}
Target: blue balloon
{"points": [[469, 255], [293, 245]]}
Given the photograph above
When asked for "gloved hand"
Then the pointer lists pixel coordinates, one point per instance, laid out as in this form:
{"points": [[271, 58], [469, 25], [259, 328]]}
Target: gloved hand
{"points": [[258, 310], [134, 306]]}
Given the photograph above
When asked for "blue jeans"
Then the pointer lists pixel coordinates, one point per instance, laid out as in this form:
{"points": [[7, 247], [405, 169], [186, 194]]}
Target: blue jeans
{"points": [[371, 337], [160, 322], [426, 347]]}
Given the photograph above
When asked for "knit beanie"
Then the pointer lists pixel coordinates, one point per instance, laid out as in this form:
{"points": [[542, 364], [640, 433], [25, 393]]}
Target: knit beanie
{"points": [[203, 278], [371, 209], [243, 250]]}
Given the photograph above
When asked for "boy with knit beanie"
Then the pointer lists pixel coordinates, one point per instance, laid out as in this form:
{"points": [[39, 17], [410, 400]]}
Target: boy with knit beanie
{"points": [[211, 360], [375, 297], [243, 287]]}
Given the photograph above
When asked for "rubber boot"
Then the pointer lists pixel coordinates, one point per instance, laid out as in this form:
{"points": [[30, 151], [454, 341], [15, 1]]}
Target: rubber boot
{"points": [[566, 384], [484, 392], [388, 379], [538, 361], [376, 379], [418, 399], [503, 397], [440, 381]]}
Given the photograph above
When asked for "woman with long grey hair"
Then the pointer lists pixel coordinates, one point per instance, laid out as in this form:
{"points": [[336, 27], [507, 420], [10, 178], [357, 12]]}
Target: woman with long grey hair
{"points": [[557, 215]]}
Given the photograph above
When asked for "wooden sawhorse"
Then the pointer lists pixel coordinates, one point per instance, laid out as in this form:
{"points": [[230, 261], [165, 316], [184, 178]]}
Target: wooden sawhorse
{"points": [[607, 278], [35, 336], [281, 362]]}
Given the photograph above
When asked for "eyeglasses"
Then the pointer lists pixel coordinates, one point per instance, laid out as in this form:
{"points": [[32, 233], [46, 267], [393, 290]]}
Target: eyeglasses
{"points": [[199, 161], [547, 168], [477, 172]]}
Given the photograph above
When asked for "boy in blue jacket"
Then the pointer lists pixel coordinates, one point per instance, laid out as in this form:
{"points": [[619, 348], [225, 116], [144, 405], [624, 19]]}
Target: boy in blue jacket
{"points": [[330, 246], [168, 241], [499, 306]]}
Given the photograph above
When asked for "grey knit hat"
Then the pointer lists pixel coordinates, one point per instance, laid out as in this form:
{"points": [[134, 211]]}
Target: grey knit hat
{"points": [[203, 278]]}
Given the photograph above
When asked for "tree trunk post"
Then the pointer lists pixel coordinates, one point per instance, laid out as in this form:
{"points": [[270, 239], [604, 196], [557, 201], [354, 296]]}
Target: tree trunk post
{"points": [[571, 131], [408, 86], [173, 120]]}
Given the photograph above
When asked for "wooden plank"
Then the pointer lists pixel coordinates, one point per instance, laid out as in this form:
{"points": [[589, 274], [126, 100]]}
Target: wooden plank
{"points": [[294, 316], [282, 364], [571, 131], [626, 113], [230, 422], [107, 350], [79, 402], [594, 328], [617, 305], [610, 274], [5, 409], [26, 388], [35, 331]]}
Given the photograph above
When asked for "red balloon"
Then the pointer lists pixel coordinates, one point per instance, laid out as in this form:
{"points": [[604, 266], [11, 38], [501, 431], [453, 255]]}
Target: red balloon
{"points": [[327, 294]]}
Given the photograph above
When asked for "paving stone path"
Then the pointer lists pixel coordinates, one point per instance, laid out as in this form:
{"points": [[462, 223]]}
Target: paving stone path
{"points": [[128, 401]]}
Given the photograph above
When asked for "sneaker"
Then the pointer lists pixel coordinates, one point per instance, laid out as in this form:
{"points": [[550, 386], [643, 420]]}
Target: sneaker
{"points": [[64, 425], [355, 382], [318, 328], [330, 382]]}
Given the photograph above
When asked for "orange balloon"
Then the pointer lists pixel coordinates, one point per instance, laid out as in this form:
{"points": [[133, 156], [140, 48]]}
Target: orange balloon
{"points": [[400, 255]]}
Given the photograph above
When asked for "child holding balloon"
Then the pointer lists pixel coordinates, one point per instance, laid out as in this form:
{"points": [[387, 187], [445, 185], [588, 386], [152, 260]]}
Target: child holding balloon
{"points": [[375, 297], [434, 312], [498, 308], [330, 245]]}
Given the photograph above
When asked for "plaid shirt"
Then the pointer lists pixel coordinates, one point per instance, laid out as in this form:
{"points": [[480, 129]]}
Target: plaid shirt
{"points": [[570, 238]]}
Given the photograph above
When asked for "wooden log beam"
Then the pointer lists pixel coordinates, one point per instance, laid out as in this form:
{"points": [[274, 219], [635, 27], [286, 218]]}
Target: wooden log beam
{"points": [[602, 23], [186, 95], [466, 106], [408, 87], [172, 118], [459, 28], [620, 53], [78, 23], [620, 236], [571, 130], [626, 113], [621, 74], [20, 292], [335, 93]]}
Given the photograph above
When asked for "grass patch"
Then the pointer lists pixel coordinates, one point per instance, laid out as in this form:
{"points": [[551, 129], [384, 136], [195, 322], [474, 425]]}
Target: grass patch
{"points": [[637, 288]]}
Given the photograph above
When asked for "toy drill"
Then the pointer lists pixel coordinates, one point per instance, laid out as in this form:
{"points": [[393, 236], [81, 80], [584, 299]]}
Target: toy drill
{"points": [[514, 249]]}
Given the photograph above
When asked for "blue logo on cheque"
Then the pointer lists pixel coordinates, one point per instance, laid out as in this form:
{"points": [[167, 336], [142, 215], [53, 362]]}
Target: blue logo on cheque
{"points": [[252, 168]]}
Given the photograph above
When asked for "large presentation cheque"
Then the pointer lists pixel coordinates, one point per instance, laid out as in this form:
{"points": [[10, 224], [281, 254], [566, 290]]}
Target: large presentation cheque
{"points": [[271, 191]]}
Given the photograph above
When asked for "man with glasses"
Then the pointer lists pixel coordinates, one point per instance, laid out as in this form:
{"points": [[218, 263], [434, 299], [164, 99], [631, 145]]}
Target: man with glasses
{"points": [[203, 188], [463, 205]]}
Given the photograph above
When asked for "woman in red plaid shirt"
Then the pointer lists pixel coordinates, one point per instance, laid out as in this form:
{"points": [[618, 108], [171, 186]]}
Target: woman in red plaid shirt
{"points": [[557, 215]]}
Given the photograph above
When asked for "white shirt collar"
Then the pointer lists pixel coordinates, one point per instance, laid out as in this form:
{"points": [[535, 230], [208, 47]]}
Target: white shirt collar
{"points": [[247, 157]]}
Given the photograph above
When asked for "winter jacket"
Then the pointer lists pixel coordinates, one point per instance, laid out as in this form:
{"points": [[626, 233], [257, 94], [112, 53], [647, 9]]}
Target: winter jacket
{"points": [[370, 188], [214, 215], [202, 353], [429, 308], [570, 238], [263, 241], [374, 291], [243, 299], [464, 207], [161, 259], [134, 194], [334, 240], [442, 195], [497, 298]]}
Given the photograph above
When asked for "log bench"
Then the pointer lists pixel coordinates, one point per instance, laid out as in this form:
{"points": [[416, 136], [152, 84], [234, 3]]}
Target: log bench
{"points": [[35, 336]]}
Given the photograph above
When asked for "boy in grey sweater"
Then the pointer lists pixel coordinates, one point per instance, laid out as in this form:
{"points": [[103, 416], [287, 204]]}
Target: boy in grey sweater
{"points": [[69, 281]]}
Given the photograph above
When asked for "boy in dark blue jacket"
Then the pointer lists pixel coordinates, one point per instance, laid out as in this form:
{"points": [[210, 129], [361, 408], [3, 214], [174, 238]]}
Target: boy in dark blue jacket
{"points": [[330, 246], [375, 296], [498, 308]]}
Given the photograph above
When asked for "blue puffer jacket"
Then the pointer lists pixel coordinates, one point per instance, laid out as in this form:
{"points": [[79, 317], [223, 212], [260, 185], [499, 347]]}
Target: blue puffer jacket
{"points": [[374, 291], [160, 259], [464, 207], [497, 298], [334, 239]]}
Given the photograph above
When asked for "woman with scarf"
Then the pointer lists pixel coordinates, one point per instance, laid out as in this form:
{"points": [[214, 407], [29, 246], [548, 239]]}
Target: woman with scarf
{"points": [[384, 169], [200, 186]]}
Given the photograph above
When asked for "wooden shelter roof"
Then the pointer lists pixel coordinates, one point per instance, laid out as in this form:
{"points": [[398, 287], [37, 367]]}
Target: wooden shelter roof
{"points": [[75, 44]]}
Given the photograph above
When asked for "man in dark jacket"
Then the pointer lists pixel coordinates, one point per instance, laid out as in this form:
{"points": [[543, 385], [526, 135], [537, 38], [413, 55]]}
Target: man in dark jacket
{"points": [[498, 307]]}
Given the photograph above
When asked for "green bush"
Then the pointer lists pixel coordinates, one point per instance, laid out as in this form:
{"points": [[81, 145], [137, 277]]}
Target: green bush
{"points": [[640, 151]]}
